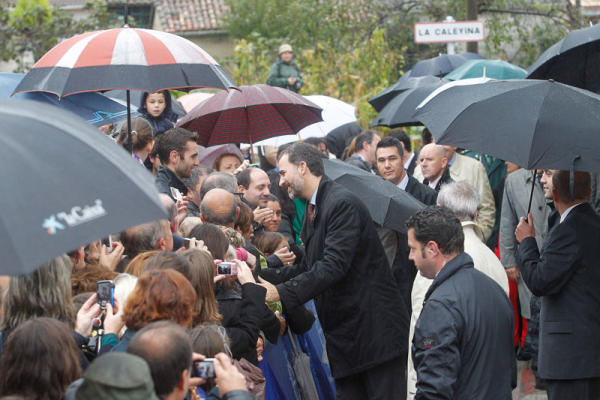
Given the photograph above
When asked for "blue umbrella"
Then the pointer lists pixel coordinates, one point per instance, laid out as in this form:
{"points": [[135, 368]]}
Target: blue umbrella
{"points": [[94, 108], [496, 69]]}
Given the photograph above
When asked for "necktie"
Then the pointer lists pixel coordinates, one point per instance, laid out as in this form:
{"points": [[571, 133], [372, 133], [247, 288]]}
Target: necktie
{"points": [[310, 209]]}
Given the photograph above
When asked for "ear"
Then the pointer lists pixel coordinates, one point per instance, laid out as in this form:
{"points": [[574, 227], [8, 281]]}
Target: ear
{"points": [[432, 248], [444, 162], [173, 157], [161, 244], [237, 213], [202, 218], [555, 196], [184, 380], [241, 189]]}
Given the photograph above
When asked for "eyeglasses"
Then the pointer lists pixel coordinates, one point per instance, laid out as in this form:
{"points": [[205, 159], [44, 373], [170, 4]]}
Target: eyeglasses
{"points": [[240, 194]]}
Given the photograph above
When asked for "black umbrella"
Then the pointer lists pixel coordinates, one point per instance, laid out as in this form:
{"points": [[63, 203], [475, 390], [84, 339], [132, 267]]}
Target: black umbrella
{"points": [[401, 109], [405, 82], [65, 184], [442, 64], [388, 205], [535, 124], [575, 60], [339, 138]]}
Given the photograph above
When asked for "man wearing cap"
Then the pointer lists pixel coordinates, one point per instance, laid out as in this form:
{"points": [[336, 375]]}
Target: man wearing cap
{"points": [[284, 72]]}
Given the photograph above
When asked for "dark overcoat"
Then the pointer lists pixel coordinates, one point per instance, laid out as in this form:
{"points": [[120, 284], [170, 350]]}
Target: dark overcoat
{"points": [[345, 270]]}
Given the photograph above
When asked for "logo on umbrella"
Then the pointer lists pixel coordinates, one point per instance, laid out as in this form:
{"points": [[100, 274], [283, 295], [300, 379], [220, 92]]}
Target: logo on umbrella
{"points": [[51, 225], [76, 216]]}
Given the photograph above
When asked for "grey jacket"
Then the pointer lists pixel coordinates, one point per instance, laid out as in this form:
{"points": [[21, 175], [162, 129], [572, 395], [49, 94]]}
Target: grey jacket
{"points": [[517, 189]]}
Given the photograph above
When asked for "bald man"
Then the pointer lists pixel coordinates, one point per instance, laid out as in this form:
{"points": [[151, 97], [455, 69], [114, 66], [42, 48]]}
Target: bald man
{"points": [[434, 166], [219, 207]]}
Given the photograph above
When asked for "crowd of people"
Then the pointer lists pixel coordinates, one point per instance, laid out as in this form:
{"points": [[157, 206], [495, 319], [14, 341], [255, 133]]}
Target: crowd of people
{"points": [[440, 311]]}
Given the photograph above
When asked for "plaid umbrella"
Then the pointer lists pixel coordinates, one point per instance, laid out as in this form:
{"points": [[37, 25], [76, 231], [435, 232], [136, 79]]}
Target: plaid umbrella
{"points": [[250, 114]]}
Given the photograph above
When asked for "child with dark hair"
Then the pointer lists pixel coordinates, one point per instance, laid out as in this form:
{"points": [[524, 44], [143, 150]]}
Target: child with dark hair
{"points": [[156, 108]]}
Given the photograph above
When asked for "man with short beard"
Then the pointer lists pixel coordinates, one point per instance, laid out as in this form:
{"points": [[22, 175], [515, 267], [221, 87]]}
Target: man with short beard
{"points": [[178, 155], [346, 272]]}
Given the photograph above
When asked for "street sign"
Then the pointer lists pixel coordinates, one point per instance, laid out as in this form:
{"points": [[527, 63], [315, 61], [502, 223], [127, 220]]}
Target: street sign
{"points": [[446, 32]]}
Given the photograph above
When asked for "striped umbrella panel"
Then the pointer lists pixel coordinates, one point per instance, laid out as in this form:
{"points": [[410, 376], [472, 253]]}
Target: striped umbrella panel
{"points": [[124, 58]]}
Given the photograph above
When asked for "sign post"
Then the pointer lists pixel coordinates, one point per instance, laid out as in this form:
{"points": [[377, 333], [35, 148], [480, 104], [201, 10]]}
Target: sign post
{"points": [[450, 32]]}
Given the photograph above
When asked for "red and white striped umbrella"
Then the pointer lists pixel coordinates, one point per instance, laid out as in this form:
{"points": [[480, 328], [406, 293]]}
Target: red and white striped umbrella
{"points": [[124, 58]]}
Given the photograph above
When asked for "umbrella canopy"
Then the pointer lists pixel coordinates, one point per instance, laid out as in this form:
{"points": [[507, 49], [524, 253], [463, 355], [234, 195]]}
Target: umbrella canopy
{"points": [[191, 100], [405, 82], [96, 109], [496, 69], [442, 64], [65, 184], [335, 114], [135, 98], [250, 114], [124, 58], [208, 155], [535, 124], [574, 60], [340, 137], [400, 111], [388, 205]]}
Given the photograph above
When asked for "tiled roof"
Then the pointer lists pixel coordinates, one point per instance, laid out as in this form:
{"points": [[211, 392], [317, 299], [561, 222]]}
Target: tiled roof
{"points": [[190, 15]]}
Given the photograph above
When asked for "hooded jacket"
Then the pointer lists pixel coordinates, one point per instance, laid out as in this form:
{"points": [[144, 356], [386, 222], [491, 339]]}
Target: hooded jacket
{"points": [[164, 121]]}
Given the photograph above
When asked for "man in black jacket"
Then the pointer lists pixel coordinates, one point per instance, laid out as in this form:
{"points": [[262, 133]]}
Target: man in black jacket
{"points": [[463, 341], [567, 276], [178, 155], [346, 272], [389, 155]]}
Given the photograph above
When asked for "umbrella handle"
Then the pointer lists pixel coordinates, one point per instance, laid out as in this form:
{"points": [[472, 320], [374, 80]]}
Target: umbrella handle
{"points": [[531, 195]]}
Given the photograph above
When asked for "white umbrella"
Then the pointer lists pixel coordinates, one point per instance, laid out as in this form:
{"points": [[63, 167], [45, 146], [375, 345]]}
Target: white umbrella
{"points": [[335, 113], [462, 82]]}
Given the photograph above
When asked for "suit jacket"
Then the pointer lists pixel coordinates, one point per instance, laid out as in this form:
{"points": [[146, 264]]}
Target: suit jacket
{"points": [[567, 275], [346, 272], [423, 193], [413, 163], [358, 162]]}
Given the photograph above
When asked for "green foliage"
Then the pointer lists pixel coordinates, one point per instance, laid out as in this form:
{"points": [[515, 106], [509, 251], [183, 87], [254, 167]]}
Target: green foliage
{"points": [[33, 27]]}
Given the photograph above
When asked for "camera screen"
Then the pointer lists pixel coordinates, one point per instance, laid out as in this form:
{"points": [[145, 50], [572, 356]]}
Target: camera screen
{"points": [[204, 369], [224, 269]]}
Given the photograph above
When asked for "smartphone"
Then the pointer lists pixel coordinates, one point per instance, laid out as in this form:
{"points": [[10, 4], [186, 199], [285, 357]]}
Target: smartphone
{"points": [[227, 268], [176, 194], [105, 291], [204, 369]]}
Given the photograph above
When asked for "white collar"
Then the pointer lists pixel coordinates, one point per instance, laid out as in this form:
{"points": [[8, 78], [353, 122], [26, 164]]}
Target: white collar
{"points": [[403, 182], [434, 183], [313, 199], [567, 211]]}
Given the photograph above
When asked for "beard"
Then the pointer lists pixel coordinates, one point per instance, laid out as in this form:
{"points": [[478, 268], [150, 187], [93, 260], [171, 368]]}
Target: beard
{"points": [[296, 188]]}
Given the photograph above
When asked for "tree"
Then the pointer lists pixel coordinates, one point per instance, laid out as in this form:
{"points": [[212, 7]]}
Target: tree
{"points": [[34, 26]]}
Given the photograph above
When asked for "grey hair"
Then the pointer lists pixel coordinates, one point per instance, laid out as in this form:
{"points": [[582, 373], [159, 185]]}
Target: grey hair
{"points": [[197, 173], [460, 197], [46, 292], [218, 180], [212, 217]]}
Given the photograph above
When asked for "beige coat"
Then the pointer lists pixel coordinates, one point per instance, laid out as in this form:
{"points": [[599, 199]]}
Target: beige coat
{"points": [[484, 260], [473, 172]]}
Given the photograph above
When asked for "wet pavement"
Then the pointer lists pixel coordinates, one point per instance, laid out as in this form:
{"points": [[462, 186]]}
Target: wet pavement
{"points": [[525, 389]]}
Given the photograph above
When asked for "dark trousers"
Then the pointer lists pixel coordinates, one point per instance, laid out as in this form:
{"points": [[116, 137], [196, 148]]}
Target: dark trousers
{"points": [[580, 389], [383, 382]]}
